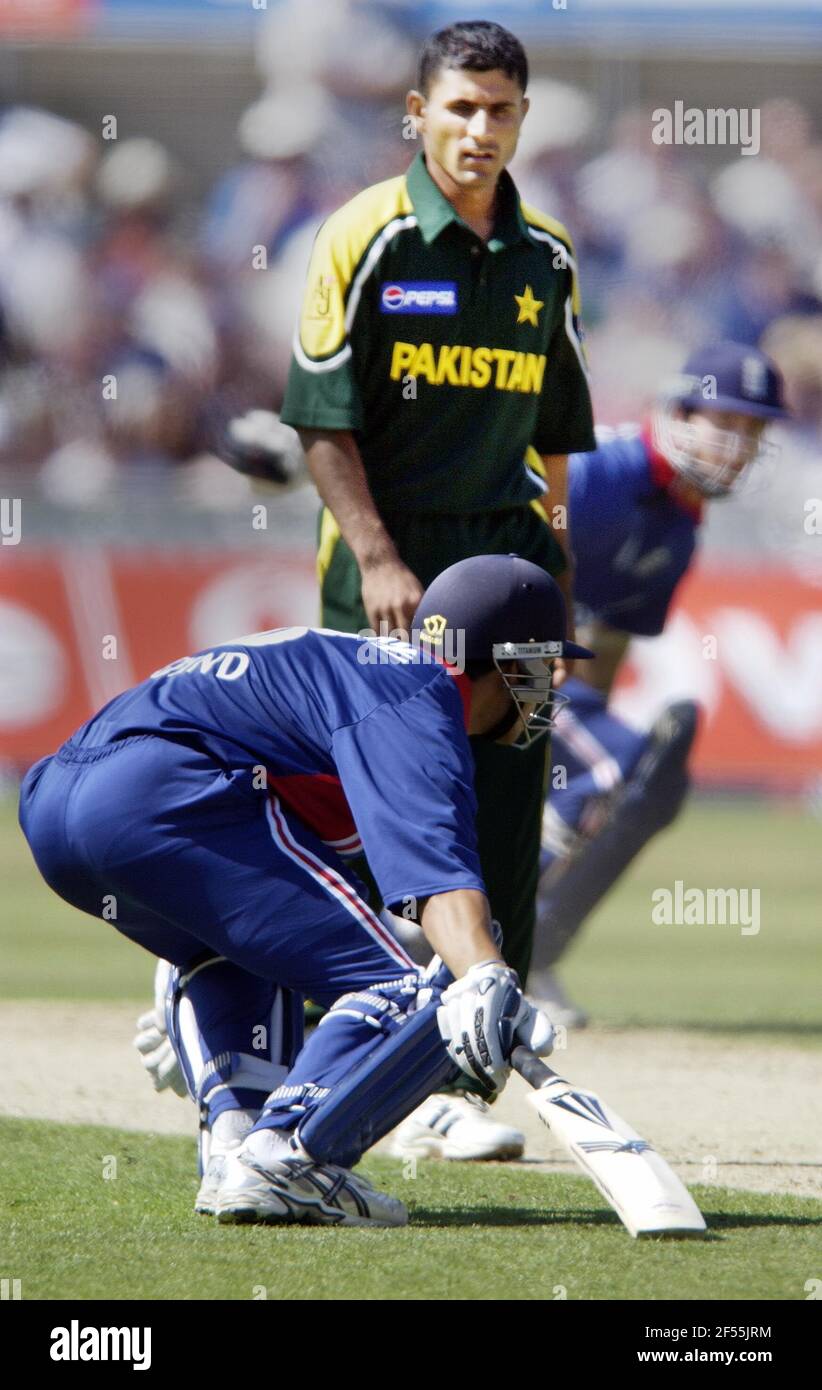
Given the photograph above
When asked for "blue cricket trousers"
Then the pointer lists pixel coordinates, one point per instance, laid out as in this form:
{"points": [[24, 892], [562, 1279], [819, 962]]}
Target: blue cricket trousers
{"points": [[186, 859]]}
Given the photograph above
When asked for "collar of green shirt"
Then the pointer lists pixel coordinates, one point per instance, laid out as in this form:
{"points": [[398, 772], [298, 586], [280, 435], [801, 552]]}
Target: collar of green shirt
{"points": [[434, 212]]}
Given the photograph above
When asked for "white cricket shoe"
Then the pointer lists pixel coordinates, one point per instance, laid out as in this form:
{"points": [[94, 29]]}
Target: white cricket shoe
{"points": [[447, 1126], [546, 992], [227, 1133], [267, 1181]]}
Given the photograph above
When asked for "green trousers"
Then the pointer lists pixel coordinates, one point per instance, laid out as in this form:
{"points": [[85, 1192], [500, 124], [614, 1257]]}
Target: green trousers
{"points": [[510, 782]]}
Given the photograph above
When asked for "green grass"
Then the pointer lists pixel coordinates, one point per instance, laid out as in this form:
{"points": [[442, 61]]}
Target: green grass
{"points": [[624, 969], [477, 1232], [629, 971]]}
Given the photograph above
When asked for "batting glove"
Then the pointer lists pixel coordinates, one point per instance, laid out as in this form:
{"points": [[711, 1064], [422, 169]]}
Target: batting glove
{"points": [[157, 1055], [153, 1043], [483, 1016]]}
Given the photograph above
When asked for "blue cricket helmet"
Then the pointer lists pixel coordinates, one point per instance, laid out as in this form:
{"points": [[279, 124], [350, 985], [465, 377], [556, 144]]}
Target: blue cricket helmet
{"points": [[731, 376], [495, 601], [501, 609], [719, 377]]}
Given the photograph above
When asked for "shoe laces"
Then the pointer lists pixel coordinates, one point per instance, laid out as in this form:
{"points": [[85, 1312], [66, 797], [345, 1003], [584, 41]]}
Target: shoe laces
{"points": [[477, 1102]]}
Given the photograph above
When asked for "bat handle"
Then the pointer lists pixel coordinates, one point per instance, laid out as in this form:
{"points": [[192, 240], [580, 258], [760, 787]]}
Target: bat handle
{"points": [[531, 1067]]}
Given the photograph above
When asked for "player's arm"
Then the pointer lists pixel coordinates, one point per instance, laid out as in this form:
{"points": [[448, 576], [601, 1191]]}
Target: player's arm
{"points": [[457, 927], [407, 771], [604, 487], [323, 403], [565, 425], [556, 476], [390, 592], [610, 646]]}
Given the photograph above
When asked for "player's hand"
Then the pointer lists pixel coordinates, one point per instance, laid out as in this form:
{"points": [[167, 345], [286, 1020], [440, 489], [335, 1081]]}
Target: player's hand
{"points": [[480, 1016], [152, 1041], [536, 1031], [390, 594], [157, 1055]]}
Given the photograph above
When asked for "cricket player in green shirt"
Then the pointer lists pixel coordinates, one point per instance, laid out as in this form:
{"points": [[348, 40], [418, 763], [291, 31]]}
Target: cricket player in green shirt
{"points": [[438, 384]]}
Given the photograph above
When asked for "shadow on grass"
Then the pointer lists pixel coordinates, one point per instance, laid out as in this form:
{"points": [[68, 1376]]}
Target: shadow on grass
{"points": [[718, 1222], [511, 1216], [788, 1028], [747, 1221]]}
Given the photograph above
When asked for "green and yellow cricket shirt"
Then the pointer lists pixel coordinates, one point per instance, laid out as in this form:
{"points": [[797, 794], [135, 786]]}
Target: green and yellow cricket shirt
{"points": [[454, 363]]}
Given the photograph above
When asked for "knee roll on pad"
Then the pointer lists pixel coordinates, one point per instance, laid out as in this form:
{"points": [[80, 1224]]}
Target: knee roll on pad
{"points": [[380, 1006]]}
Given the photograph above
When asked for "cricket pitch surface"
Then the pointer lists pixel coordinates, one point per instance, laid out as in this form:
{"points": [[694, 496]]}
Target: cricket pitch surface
{"points": [[742, 1113]]}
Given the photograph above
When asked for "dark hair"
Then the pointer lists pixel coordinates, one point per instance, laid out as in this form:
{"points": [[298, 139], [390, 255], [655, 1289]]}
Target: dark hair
{"points": [[476, 45]]}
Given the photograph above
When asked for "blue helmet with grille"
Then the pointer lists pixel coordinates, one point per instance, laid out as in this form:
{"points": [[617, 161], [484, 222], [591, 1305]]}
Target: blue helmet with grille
{"points": [[501, 611]]}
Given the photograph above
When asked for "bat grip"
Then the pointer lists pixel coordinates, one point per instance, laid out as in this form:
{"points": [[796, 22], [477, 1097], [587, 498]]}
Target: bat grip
{"points": [[531, 1067]]}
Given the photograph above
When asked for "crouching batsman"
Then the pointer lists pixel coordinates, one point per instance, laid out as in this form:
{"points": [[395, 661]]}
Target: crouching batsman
{"points": [[208, 814]]}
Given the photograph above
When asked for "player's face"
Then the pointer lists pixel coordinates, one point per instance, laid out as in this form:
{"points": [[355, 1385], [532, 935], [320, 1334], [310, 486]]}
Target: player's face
{"points": [[470, 123], [490, 702], [714, 447], [493, 703]]}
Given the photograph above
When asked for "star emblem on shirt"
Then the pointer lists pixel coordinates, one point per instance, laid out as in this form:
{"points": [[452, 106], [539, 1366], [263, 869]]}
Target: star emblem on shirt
{"points": [[529, 307]]}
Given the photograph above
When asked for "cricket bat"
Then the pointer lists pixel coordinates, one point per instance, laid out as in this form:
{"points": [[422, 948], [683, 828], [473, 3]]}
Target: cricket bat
{"points": [[644, 1191]]}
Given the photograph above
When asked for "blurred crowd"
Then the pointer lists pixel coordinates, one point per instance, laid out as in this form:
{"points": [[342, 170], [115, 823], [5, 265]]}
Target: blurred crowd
{"points": [[133, 325]]}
